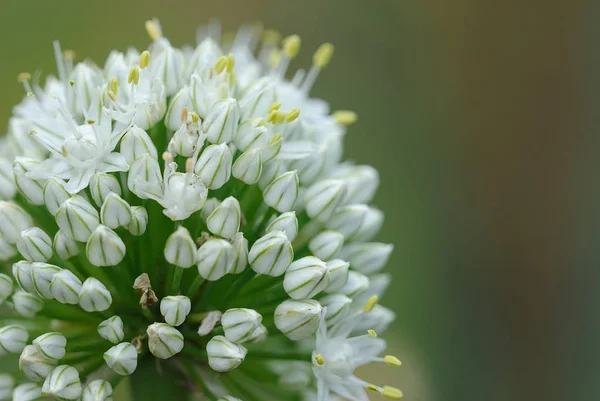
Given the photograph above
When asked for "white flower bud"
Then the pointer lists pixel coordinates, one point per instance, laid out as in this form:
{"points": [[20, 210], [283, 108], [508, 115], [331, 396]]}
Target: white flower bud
{"points": [[272, 149], [209, 207], [378, 320], [77, 218], [286, 222], [214, 165], [306, 277], [361, 182], [260, 334], [187, 139], [27, 392], [34, 365], [175, 110], [94, 296], [41, 276], [139, 220], [13, 220], [185, 193], [97, 390], [145, 178], [239, 324], [298, 319], [240, 250], [356, 222], [215, 259], [13, 339], [222, 121], [295, 376], [271, 254], [323, 198], [122, 358], [228, 398], [105, 247], [282, 192], [112, 329], [270, 172], [225, 220], [115, 212], [51, 345], [175, 309], [180, 248], [356, 283], [7, 383], [7, 251], [368, 257], [136, 143], [326, 244], [35, 245], [337, 307], [32, 190], [248, 167], [55, 194], [8, 188], [63, 383], [338, 269], [378, 284], [101, 185], [251, 136], [26, 304], [64, 246], [22, 273], [65, 287], [6, 285], [223, 355], [86, 78], [168, 63], [164, 341]]}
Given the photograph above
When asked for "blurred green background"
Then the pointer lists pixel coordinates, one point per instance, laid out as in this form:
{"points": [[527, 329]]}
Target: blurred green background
{"points": [[472, 111]]}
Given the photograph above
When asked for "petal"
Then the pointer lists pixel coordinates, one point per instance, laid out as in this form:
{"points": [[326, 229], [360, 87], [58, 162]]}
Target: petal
{"points": [[80, 180], [113, 162], [53, 167]]}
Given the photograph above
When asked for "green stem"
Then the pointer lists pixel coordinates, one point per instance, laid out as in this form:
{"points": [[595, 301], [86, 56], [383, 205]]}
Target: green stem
{"points": [[195, 286], [152, 382], [197, 379]]}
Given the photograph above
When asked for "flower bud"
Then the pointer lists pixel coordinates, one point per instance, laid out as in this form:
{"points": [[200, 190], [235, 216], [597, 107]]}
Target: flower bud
{"points": [[51, 345], [22, 273], [7, 383], [139, 220], [6, 285], [326, 244], [251, 136], [122, 358], [26, 392], [368, 257], [13, 339], [223, 355], [270, 172], [32, 190], [136, 143], [282, 192], [115, 212], [272, 149], [41, 276], [306, 277], [248, 167], [105, 247], [378, 284], [35, 245], [240, 250], [168, 63], [222, 120], [26, 304], [145, 178], [338, 269], [184, 194], [361, 183], [225, 220], [64, 246], [286, 222], [239, 324], [77, 218], [112, 330], [378, 319], [214, 259], [214, 165], [164, 341], [8, 188], [356, 222], [97, 390], [178, 103], [271, 254], [356, 284], [209, 207], [65, 287], [63, 383], [337, 307], [294, 376], [13, 220], [298, 319], [323, 198], [101, 185], [187, 139], [55, 194], [94, 296], [175, 309], [180, 249]]}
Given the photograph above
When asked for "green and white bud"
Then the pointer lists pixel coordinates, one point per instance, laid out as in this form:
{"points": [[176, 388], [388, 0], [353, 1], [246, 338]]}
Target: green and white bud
{"points": [[77, 218], [239, 324], [112, 329], [215, 259], [356, 222], [164, 341], [65, 247], [6, 285], [13, 220], [286, 222], [51, 345], [251, 136], [8, 189], [322, 199], [7, 383], [228, 398], [139, 220], [306, 278], [282, 192], [41, 276], [22, 273], [63, 383], [337, 307], [175, 309], [102, 185], [179, 102], [7, 251], [35, 245], [65, 287], [272, 148], [295, 376], [361, 182], [326, 244], [97, 390], [136, 143], [270, 172], [209, 207], [94, 296], [271, 254], [367, 258], [222, 120], [145, 177], [186, 139], [27, 392], [298, 319], [338, 269], [34, 365], [248, 166], [377, 319], [224, 355], [180, 248], [260, 334], [225, 220], [356, 284], [32, 190], [55, 194], [214, 165], [240, 250], [122, 358], [115, 212], [26, 304], [105, 247], [13, 339]]}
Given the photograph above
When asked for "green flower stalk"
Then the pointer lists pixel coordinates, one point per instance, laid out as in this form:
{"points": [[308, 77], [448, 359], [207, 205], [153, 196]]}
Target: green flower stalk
{"points": [[186, 213]]}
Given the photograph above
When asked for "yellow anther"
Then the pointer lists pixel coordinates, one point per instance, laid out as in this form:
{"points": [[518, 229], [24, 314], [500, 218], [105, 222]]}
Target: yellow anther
{"points": [[274, 58], [134, 75], [345, 117], [153, 29], [230, 62], [166, 156], [114, 85], [184, 114], [271, 36], [144, 59], [112, 96], [276, 138], [371, 303], [220, 64], [392, 360], [320, 359], [31, 132], [90, 121], [276, 117], [391, 392], [261, 122], [195, 117], [24, 76], [72, 83], [275, 106], [372, 333], [69, 54], [291, 45], [292, 115], [372, 387], [322, 56], [189, 165], [64, 151], [30, 94]]}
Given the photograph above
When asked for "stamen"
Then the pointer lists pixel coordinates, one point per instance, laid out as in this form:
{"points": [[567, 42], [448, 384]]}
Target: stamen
{"points": [[166, 156], [274, 58], [291, 46], [230, 62], [154, 30], [189, 165], [372, 333], [392, 360], [60, 62], [275, 106], [391, 392], [24, 78], [320, 359], [144, 59], [134, 76], [323, 55], [371, 303], [373, 387], [292, 115], [195, 117], [69, 54], [220, 64], [345, 117], [114, 85], [184, 114]]}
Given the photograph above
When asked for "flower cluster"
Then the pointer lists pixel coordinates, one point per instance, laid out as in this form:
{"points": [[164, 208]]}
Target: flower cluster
{"points": [[188, 205]]}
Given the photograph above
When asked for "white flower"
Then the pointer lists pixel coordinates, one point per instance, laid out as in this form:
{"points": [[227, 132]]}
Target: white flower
{"points": [[139, 220], [368, 257], [175, 309], [240, 249], [102, 185], [111, 329], [35, 245], [286, 222], [214, 165], [180, 249], [51, 345], [326, 244], [248, 166], [7, 383], [239, 324], [6, 285], [93, 296], [13, 339], [27, 392], [306, 277], [55, 194], [97, 390], [323, 198], [282, 192], [13, 220], [34, 365], [41, 276], [215, 259], [271, 254], [338, 269], [337, 307], [65, 247], [122, 358], [115, 212], [224, 355], [225, 219], [356, 222], [63, 383], [26, 304], [356, 283], [105, 247], [77, 218], [361, 183], [164, 341], [222, 120], [298, 319], [32, 190]]}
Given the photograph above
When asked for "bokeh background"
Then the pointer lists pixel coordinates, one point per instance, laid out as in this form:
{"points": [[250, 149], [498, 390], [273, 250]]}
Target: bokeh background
{"points": [[479, 116]]}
